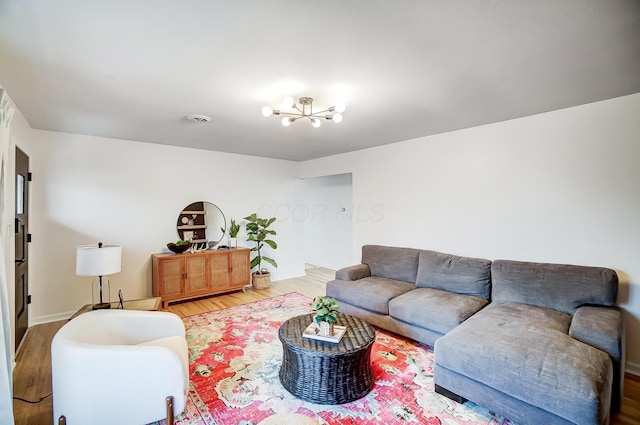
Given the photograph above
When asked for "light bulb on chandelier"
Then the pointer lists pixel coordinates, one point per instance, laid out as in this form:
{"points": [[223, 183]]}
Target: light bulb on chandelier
{"points": [[305, 110], [288, 102], [286, 121], [267, 111]]}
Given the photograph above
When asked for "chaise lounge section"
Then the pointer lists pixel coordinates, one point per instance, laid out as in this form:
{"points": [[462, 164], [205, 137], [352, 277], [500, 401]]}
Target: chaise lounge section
{"points": [[546, 350], [535, 342]]}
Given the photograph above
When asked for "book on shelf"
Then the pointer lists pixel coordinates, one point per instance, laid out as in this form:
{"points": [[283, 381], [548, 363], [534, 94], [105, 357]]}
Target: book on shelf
{"points": [[311, 332]]}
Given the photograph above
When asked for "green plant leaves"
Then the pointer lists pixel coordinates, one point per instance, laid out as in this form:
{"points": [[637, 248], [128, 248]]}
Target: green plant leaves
{"points": [[271, 243], [234, 229], [258, 232], [270, 261], [326, 309], [252, 218]]}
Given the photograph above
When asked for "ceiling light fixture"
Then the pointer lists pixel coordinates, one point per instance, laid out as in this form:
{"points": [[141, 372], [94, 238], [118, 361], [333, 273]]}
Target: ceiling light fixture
{"points": [[305, 110]]}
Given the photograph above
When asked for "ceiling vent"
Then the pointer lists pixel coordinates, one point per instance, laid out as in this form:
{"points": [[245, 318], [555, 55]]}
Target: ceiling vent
{"points": [[201, 119]]}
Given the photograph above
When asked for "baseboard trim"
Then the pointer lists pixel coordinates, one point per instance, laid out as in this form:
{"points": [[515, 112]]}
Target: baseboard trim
{"points": [[276, 278], [50, 318], [632, 368]]}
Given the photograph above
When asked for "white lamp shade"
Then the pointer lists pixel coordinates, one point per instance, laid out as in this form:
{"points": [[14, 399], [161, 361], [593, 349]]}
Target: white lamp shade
{"points": [[94, 261]]}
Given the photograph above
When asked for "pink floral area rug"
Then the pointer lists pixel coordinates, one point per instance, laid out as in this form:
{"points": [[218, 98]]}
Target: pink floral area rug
{"points": [[235, 357]]}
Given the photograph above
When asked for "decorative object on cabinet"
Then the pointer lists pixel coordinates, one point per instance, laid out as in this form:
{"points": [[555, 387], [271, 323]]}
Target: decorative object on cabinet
{"points": [[99, 260], [182, 277], [198, 247], [258, 231], [179, 247], [199, 223], [234, 229]]}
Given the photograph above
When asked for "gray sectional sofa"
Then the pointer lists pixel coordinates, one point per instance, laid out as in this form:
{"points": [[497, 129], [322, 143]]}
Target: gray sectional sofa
{"points": [[538, 343]]}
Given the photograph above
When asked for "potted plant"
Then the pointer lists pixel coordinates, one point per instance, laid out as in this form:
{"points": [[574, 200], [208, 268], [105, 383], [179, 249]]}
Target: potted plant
{"points": [[326, 309], [258, 231], [234, 229]]}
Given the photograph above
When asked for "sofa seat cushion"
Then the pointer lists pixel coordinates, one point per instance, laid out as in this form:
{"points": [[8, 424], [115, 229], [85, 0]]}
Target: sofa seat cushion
{"points": [[524, 351], [434, 309], [371, 293], [463, 275]]}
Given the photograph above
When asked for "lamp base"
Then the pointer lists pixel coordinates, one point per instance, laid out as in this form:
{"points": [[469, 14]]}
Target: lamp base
{"points": [[101, 306]]}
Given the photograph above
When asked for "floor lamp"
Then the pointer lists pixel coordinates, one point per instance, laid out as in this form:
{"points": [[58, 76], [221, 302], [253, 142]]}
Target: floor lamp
{"points": [[98, 260]]}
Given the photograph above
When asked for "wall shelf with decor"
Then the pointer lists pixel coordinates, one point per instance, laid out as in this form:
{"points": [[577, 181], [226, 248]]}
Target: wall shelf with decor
{"points": [[201, 222], [192, 226]]}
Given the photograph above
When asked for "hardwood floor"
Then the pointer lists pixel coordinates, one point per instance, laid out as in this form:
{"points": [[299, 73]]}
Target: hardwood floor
{"points": [[32, 375]]}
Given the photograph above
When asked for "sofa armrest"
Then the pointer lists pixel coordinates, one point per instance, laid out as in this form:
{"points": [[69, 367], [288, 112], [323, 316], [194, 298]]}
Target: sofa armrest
{"points": [[359, 271], [603, 328]]}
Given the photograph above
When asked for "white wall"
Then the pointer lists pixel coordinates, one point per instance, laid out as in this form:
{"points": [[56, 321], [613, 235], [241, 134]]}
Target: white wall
{"points": [[327, 215], [557, 187], [90, 189]]}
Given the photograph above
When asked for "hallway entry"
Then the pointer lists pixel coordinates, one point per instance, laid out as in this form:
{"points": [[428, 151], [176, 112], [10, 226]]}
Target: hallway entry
{"points": [[328, 231]]}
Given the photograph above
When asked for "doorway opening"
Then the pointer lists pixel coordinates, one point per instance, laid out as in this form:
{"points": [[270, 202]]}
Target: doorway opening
{"points": [[328, 230]]}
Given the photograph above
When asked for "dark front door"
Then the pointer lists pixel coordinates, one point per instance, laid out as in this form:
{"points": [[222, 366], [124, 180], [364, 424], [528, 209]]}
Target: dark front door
{"points": [[22, 250]]}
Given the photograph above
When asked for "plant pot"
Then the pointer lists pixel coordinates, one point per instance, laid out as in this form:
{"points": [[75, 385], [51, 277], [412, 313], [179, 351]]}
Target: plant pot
{"points": [[325, 328], [233, 242], [261, 280]]}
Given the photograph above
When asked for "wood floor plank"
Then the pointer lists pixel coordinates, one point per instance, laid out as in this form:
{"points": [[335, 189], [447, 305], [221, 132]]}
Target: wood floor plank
{"points": [[32, 374]]}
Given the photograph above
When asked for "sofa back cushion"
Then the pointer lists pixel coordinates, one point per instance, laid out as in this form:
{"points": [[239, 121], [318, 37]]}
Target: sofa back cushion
{"points": [[557, 286], [462, 275], [391, 262]]}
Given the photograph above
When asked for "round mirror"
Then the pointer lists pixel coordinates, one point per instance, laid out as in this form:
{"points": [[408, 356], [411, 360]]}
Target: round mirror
{"points": [[201, 223]]}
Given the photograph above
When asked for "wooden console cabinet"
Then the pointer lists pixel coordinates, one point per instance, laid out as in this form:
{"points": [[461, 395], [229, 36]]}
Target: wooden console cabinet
{"points": [[184, 276]]}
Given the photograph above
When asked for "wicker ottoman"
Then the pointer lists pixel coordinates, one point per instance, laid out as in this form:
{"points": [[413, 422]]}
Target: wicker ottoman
{"points": [[325, 372]]}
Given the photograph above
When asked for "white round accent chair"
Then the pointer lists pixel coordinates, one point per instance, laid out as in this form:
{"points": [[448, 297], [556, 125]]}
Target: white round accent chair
{"points": [[119, 367]]}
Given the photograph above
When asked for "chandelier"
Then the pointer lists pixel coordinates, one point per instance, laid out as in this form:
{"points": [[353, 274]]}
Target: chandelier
{"points": [[305, 110]]}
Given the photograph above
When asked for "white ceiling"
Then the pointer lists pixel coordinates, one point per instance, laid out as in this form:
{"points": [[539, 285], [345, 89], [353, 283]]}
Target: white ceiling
{"points": [[405, 69]]}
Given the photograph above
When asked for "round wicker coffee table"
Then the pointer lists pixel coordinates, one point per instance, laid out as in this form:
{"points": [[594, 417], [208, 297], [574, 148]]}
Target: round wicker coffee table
{"points": [[325, 372]]}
